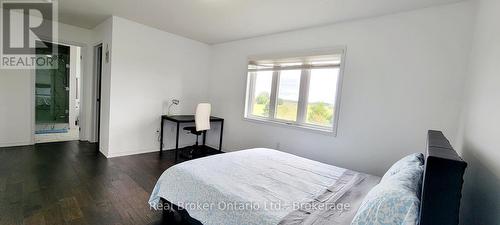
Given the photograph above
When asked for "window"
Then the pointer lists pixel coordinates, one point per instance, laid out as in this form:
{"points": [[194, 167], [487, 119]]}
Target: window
{"points": [[299, 91]]}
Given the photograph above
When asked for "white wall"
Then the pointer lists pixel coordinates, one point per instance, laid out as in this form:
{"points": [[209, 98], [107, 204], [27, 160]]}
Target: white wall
{"points": [[149, 68], [15, 107], [480, 141], [404, 75], [17, 94]]}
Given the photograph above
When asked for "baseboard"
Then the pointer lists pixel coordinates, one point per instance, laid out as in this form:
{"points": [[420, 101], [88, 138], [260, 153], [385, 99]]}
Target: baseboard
{"points": [[118, 154], [4, 145]]}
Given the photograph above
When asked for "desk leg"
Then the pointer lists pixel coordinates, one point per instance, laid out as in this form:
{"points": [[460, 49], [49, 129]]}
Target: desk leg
{"points": [[204, 137], [161, 137], [221, 132], [177, 143]]}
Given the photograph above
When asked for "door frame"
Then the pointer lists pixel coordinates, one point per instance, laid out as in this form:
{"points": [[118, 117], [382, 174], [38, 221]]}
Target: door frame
{"points": [[97, 93], [83, 51]]}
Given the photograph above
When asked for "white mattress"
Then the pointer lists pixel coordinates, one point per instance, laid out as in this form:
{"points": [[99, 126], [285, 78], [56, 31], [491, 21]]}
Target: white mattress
{"points": [[260, 186]]}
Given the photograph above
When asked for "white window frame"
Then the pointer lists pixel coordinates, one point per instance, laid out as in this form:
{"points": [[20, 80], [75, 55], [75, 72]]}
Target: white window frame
{"points": [[303, 92]]}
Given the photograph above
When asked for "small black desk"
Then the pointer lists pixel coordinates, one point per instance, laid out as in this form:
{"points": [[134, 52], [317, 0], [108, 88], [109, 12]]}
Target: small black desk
{"points": [[178, 119]]}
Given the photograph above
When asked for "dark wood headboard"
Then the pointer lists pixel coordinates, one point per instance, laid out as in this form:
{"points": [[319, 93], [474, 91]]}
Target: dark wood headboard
{"points": [[442, 182]]}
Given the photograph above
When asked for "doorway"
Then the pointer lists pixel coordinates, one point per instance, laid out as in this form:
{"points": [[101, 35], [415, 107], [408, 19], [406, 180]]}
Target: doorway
{"points": [[97, 88], [57, 95]]}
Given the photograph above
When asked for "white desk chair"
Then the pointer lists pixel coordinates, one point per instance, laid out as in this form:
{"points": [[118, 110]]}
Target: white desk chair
{"points": [[202, 121]]}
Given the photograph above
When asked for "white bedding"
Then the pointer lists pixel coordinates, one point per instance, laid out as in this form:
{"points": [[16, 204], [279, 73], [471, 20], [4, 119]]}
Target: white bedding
{"points": [[261, 186]]}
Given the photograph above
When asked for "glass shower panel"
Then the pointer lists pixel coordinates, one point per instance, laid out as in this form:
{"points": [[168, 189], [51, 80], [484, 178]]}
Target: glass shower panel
{"points": [[52, 92]]}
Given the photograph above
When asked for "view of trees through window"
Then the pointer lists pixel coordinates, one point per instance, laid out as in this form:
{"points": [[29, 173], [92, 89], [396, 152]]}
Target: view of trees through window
{"points": [[322, 95], [288, 95], [305, 92], [320, 113], [263, 82]]}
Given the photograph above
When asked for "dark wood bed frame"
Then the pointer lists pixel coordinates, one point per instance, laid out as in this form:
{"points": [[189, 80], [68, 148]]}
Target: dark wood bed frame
{"points": [[441, 187]]}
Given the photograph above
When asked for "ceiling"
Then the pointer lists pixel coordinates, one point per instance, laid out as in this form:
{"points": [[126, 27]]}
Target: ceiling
{"points": [[217, 21]]}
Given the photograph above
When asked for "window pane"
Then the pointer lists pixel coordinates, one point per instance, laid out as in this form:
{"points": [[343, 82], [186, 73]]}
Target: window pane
{"points": [[262, 93], [322, 96], [288, 95]]}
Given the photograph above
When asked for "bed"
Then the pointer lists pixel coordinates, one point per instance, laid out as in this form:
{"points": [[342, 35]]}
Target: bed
{"points": [[265, 186]]}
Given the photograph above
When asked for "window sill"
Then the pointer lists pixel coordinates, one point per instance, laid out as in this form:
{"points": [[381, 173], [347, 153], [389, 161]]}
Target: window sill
{"points": [[314, 129]]}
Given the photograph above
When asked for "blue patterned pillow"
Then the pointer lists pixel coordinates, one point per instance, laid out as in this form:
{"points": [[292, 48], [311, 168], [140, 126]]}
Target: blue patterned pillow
{"points": [[412, 160], [387, 205], [396, 200], [407, 172]]}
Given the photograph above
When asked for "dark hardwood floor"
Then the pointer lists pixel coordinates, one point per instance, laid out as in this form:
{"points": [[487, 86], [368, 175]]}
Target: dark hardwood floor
{"points": [[71, 183]]}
